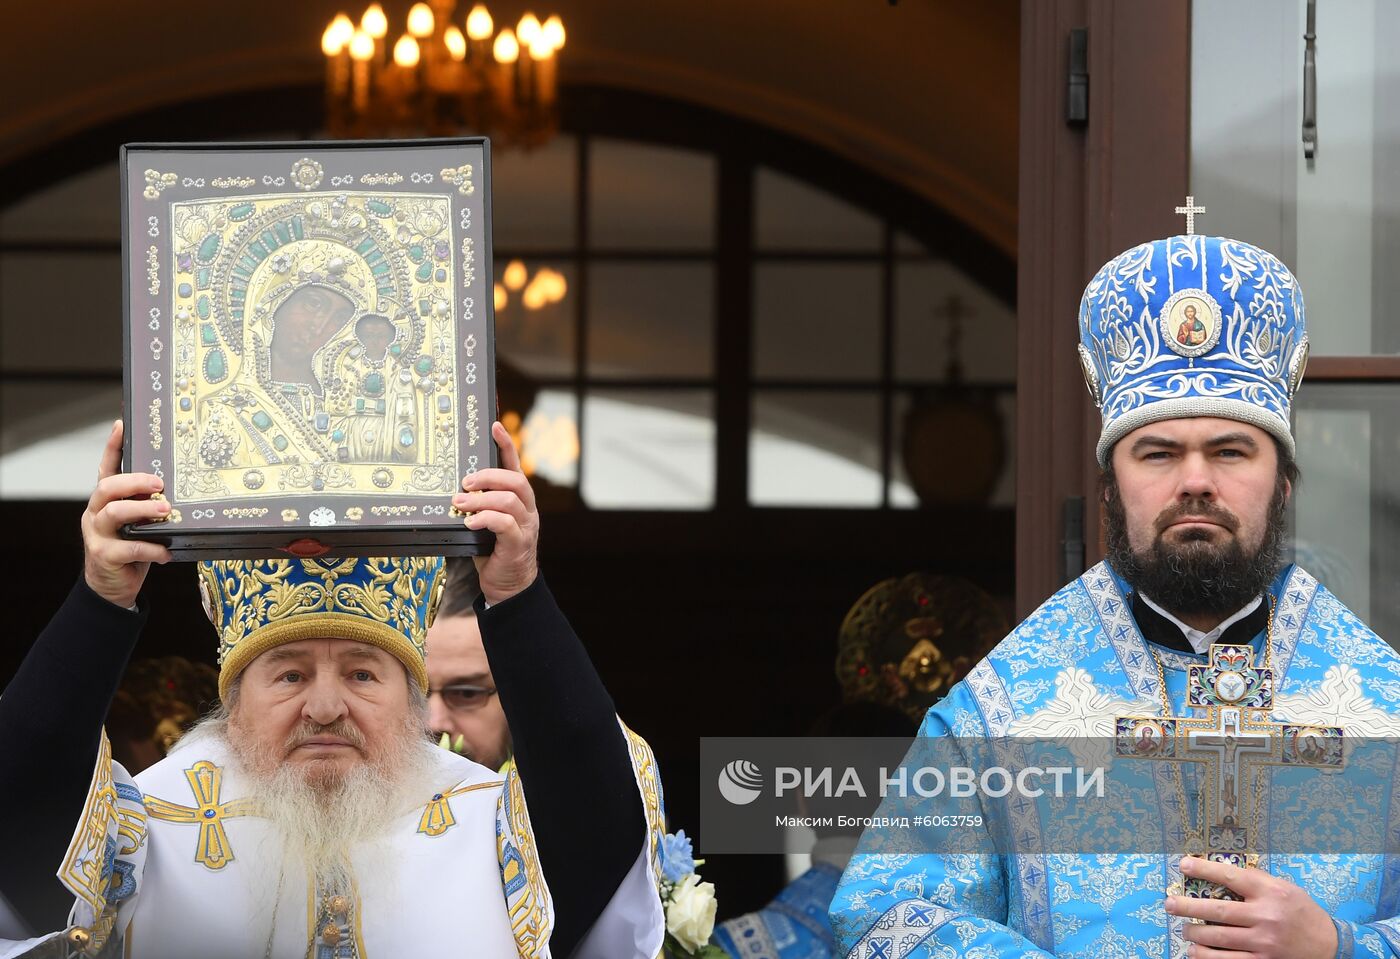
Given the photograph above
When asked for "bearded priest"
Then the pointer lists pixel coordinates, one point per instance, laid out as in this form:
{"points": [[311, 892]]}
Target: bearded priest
{"points": [[310, 814], [1195, 633]]}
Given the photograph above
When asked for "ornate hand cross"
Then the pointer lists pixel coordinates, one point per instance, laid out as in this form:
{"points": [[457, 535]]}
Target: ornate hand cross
{"points": [[1233, 738]]}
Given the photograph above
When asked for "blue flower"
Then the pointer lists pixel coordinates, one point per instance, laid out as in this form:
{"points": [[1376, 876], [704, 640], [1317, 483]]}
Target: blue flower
{"points": [[677, 856]]}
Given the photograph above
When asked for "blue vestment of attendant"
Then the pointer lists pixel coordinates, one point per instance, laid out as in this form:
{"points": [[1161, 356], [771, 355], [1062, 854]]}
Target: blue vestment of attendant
{"points": [[1068, 670], [792, 926]]}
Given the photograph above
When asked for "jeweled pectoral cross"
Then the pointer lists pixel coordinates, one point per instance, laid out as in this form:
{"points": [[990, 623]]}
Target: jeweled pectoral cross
{"points": [[1232, 740]]}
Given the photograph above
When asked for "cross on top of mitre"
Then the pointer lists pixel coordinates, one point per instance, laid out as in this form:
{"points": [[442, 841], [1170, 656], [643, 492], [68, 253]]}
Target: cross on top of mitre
{"points": [[1189, 211]]}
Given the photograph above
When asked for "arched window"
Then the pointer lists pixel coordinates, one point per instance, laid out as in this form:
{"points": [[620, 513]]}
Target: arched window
{"points": [[694, 313]]}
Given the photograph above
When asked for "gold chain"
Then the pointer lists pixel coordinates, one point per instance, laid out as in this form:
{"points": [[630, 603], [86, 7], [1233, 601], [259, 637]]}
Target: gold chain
{"points": [[1187, 832]]}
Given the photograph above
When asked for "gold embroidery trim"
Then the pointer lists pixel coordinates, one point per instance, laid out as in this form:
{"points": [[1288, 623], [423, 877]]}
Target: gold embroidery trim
{"points": [[530, 919], [437, 814], [81, 871], [649, 782]]}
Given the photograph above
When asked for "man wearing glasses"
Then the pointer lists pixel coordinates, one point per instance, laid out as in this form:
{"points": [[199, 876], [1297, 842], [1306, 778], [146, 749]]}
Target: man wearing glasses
{"points": [[462, 703]]}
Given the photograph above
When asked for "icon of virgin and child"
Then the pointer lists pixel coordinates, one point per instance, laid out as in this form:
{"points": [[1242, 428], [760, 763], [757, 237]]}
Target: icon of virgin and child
{"points": [[333, 368]]}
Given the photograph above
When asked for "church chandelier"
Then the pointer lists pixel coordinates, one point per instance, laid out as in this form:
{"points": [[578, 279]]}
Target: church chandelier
{"points": [[442, 79]]}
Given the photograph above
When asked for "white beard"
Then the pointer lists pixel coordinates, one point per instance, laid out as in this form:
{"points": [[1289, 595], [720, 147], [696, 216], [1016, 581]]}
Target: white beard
{"points": [[319, 830]]}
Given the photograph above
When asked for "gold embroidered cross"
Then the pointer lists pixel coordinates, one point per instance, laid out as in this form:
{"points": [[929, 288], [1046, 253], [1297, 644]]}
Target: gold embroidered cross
{"points": [[212, 848], [1189, 211]]}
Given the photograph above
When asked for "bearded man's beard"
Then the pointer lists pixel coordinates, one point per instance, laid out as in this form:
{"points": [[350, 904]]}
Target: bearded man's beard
{"points": [[1191, 576], [321, 816]]}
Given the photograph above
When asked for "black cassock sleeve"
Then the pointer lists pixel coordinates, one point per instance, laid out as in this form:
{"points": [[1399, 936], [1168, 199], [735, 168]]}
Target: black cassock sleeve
{"points": [[575, 766], [51, 718]]}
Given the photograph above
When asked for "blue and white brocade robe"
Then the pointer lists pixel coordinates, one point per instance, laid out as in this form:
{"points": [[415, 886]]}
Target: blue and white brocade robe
{"points": [[793, 926], [1067, 671]]}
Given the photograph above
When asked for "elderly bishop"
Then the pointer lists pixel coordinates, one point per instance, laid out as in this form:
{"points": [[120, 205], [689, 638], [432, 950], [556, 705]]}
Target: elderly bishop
{"points": [[310, 814]]}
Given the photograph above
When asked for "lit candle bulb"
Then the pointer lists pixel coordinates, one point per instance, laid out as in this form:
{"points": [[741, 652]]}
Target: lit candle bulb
{"points": [[335, 43], [528, 29], [374, 22], [515, 275], [558, 286], [554, 31], [542, 66], [479, 25], [534, 297], [376, 26], [420, 20], [456, 43], [406, 52], [506, 51], [506, 48], [361, 52]]}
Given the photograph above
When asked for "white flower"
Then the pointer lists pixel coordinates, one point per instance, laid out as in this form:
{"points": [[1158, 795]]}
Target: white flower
{"points": [[690, 915]]}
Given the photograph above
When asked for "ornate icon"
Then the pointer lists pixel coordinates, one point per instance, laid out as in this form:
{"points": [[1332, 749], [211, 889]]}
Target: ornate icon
{"points": [[1191, 322]]}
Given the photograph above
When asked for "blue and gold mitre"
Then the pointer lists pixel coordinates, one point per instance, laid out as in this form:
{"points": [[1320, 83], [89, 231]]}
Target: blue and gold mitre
{"points": [[1192, 326], [258, 604]]}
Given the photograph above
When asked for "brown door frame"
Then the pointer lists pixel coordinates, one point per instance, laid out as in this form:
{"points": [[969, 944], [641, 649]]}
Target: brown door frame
{"points": [[1087, 192]]}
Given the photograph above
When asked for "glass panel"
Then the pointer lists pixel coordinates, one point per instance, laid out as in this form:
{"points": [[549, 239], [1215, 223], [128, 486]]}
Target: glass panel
{"points": [[534, 196], [82, 208], [981, 426], [651, 319], [906, 245], [544, 425], [791, 215], [80, 294], [1332, 219], [649, 449], [1347, 507], [809, 448], [937, 307], [51, 437], [535, 316], [649, 197], [816, 321]]}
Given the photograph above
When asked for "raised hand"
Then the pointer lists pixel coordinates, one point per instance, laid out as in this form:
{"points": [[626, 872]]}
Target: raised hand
{"points": [[501, 500], [115, 567]]}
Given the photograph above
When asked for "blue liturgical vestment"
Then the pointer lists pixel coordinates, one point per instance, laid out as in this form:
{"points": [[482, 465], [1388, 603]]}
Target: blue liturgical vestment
{"points": [[792, 926], [1075, 664]]}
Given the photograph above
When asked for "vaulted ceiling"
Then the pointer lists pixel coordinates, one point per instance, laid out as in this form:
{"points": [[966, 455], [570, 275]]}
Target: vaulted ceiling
{"points": [[923, 92]]}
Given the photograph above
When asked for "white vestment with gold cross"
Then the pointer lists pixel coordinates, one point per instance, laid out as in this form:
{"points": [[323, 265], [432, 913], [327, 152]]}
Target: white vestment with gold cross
{"points": [[176, 863]]}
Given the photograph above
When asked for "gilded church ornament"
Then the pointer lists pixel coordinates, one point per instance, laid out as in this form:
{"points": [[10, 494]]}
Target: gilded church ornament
{"points": [[157, 182], [307, 173], [461, 178], [314, 344], [907, 640]]}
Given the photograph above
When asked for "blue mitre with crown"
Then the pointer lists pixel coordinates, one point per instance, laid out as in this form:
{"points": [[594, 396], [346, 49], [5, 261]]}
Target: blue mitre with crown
{"points": [[256, 605], [1192, 326]]}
